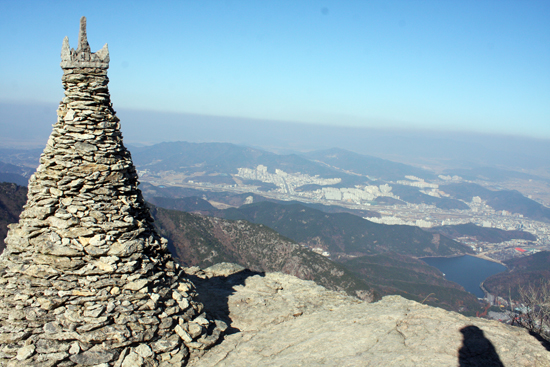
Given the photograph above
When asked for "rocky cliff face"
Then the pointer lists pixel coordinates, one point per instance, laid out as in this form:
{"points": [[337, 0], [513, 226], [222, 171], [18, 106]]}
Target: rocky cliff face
{"points": [[279, 320], [85, 279]]}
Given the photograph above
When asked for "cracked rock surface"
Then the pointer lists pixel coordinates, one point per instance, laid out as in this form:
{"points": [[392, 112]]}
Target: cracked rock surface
{"points": [[279, 320]]}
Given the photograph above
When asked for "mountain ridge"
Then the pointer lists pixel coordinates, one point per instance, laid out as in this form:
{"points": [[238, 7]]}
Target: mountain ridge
{"points": [[482, 234], [521, 273], [509, 200], [366, 165]]}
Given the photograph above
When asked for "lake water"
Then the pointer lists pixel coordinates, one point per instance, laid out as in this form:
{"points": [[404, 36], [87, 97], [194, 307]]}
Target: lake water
{"points": [[468, 271]]}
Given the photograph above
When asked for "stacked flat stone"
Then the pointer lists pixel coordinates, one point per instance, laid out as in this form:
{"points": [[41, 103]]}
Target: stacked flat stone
{"points": [[85, 279]]}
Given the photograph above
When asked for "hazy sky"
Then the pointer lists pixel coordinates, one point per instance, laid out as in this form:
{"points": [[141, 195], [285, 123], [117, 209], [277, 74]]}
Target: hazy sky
{"points": [[448, 65]]}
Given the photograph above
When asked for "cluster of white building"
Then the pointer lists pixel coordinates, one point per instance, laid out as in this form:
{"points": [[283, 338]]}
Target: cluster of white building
{"points": [[286, 182], [417, 182], [400, 221], [355, 195], [421, 215], [450, 178]]}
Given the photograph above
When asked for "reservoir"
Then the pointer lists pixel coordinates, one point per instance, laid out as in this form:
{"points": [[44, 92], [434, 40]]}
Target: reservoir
{"points": [[468, 271]]}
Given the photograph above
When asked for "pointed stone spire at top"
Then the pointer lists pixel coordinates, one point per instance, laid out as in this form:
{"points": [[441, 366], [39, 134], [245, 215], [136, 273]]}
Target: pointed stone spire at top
{"points": [[83, 45], [83, 57]]}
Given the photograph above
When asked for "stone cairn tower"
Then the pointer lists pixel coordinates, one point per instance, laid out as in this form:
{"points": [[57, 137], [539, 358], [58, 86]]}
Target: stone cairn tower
{"points": [[85, 280]]}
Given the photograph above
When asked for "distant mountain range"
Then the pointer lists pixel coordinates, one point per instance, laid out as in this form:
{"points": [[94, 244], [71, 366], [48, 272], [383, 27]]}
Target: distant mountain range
{"points": [[218, 161], [492, 174], [510, 200], [378, 168], [215, 163], [226, 158], [220, 158]]}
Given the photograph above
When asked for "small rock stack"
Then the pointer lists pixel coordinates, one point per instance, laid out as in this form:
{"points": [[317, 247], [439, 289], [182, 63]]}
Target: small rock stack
{"points": [[85, 279]]}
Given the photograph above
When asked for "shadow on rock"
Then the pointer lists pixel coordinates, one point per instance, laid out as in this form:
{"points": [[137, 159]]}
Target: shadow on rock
{"points": [[215, 286], [477, 350], [545, 343]]}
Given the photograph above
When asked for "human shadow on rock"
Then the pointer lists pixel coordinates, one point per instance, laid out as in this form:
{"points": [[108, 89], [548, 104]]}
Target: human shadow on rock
{"points": [[214, 293], [477, 350]]}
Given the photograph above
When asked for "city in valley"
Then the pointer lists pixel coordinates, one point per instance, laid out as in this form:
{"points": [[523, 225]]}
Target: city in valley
{"points": [[305, 188]]}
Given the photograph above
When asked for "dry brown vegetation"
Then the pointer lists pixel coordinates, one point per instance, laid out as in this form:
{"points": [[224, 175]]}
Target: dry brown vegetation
{"points": [[536, 308]]}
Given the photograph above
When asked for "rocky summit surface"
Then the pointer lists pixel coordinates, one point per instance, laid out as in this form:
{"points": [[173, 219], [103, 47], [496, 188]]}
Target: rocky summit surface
{"points": [[279, 320], [85, 280]]}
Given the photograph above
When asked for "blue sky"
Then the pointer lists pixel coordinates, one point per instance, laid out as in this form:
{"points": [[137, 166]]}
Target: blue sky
{"points": [[481, 66]]}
